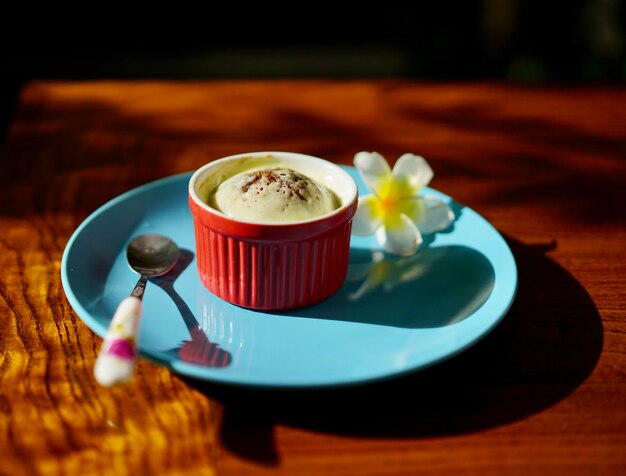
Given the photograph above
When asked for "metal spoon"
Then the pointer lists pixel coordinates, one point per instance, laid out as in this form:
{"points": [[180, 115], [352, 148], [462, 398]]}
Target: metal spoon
{"points": [[150, 256]]}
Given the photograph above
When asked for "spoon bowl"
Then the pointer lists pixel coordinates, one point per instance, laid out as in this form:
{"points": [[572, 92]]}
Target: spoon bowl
{"points": [[152, 255]]}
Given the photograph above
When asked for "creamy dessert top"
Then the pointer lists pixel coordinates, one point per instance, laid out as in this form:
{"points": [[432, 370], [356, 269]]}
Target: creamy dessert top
{"points": [[273, 195]]}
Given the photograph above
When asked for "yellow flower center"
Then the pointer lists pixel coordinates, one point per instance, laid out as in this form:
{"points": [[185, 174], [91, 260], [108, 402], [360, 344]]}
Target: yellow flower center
{"points": [[396, 198], [389, 205]]}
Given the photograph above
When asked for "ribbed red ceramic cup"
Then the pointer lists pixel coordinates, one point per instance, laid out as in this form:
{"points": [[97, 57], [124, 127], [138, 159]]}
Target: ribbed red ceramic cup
{"points": [[272, 266]]}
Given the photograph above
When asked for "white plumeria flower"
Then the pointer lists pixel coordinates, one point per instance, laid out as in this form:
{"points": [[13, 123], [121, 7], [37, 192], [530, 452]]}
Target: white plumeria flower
{"points": [[396, 212]]}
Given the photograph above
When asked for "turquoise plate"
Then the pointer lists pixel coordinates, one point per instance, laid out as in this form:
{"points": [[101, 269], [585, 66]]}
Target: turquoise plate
{"points": [[392, 315]]}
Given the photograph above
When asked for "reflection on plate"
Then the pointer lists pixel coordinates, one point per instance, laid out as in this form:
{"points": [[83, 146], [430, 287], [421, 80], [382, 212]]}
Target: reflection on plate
{"points": [[393, 315]]}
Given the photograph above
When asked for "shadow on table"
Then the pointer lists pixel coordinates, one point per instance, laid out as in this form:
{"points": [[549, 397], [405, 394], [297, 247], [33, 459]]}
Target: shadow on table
{"points": [[542, 351]]}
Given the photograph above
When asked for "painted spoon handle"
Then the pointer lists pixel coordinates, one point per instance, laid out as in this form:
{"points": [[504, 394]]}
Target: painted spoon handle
{"points": [[116, 361]]}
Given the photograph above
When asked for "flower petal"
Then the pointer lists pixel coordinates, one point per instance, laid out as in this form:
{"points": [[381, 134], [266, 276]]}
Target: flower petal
{"points": [[368, 217], [413, 173], [436, 215], [399, 235], [374, 169], [413, 208]]}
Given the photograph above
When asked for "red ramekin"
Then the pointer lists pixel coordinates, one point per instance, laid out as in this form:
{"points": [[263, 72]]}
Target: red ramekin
{"points": [[272, 266]]}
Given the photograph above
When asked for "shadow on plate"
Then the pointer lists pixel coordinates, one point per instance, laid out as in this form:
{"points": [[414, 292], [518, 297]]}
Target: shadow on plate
{"points": [[545, 347], [198, 349], [434, 288]]}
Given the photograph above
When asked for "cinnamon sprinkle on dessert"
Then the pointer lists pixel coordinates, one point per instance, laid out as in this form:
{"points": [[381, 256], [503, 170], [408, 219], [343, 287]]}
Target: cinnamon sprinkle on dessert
{"points": [[294, 183]]}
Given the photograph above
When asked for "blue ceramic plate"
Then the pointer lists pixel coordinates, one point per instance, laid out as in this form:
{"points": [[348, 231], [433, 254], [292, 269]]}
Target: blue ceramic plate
{"points": [[392, 315]]}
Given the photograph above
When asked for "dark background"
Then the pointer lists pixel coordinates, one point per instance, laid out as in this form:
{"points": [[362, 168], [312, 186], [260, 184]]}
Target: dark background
{"points": [[504, 40]]}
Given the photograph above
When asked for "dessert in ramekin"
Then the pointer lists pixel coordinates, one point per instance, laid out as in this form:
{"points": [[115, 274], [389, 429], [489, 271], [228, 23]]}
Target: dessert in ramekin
{"points": [[272, 262]]}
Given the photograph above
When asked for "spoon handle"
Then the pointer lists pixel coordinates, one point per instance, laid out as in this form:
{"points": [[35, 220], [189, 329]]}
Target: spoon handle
{"points": [[116, 361]]}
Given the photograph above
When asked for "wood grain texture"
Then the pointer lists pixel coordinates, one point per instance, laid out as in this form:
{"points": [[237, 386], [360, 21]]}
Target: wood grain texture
{"points": [[545, 393]]}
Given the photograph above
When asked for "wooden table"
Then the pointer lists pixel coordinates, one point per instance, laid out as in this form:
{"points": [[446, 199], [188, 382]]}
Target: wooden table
{"points": [[545, 393]]}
